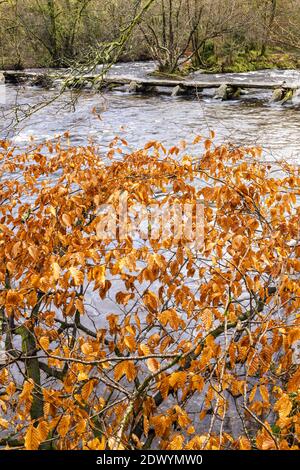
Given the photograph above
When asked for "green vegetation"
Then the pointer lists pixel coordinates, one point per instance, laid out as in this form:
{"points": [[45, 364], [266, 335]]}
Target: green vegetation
{"points": [[248, 61]]}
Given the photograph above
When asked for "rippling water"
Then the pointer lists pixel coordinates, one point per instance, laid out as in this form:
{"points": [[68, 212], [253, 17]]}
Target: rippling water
{"points": [[139, 118]]}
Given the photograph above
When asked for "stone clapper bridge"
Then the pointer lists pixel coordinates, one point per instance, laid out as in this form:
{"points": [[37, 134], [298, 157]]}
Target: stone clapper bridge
{"points": [[225, 90]]}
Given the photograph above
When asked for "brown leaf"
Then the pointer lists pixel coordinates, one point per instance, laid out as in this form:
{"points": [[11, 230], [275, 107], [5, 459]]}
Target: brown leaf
{"points": [[152, 364], [32, 438], [64, 425]]}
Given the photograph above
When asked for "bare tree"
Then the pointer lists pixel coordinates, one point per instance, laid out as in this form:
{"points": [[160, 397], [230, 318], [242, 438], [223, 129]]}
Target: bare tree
{"points": [[176, 31], [270, 15]]}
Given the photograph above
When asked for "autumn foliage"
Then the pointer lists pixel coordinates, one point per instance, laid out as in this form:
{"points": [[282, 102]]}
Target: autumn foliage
{"points": [[130, 344]]}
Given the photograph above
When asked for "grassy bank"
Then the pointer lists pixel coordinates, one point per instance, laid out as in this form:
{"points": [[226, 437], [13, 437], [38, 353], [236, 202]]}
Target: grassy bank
{"points": [[253, 60]]}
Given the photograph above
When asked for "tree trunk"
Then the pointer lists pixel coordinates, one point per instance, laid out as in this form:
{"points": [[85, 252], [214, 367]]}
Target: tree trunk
{"points": [[53, 32], [273, 6]]}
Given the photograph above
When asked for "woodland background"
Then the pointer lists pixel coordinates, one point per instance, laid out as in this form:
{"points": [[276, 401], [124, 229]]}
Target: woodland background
{"points": [[221, 35]]}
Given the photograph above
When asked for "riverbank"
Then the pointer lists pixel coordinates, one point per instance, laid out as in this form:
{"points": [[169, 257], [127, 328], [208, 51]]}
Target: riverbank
{"points": [[253, 61], [240, 62]]}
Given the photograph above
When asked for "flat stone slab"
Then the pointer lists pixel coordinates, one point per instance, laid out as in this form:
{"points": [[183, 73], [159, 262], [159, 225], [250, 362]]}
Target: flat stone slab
{"points": [[195, 84]]}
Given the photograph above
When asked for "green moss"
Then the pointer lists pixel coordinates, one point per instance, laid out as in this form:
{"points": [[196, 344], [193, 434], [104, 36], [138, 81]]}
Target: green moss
{"points": [[252, 60]]}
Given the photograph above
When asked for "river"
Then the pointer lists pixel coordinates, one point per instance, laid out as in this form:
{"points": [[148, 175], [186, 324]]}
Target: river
{"points": [[249, 120]]}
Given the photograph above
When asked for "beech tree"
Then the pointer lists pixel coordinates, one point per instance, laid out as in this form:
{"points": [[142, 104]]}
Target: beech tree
{"points": [[132, 343]]}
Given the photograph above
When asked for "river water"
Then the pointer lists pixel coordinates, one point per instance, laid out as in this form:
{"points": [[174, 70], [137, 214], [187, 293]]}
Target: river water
{"points": [[249, 120]]}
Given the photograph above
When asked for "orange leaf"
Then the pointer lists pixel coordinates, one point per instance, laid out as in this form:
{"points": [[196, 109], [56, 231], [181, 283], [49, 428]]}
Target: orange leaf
{"points": [[152, 364], [64, 425], [66, 220], [32, 438], [77, 276], [151, 300], [43, 430]]}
